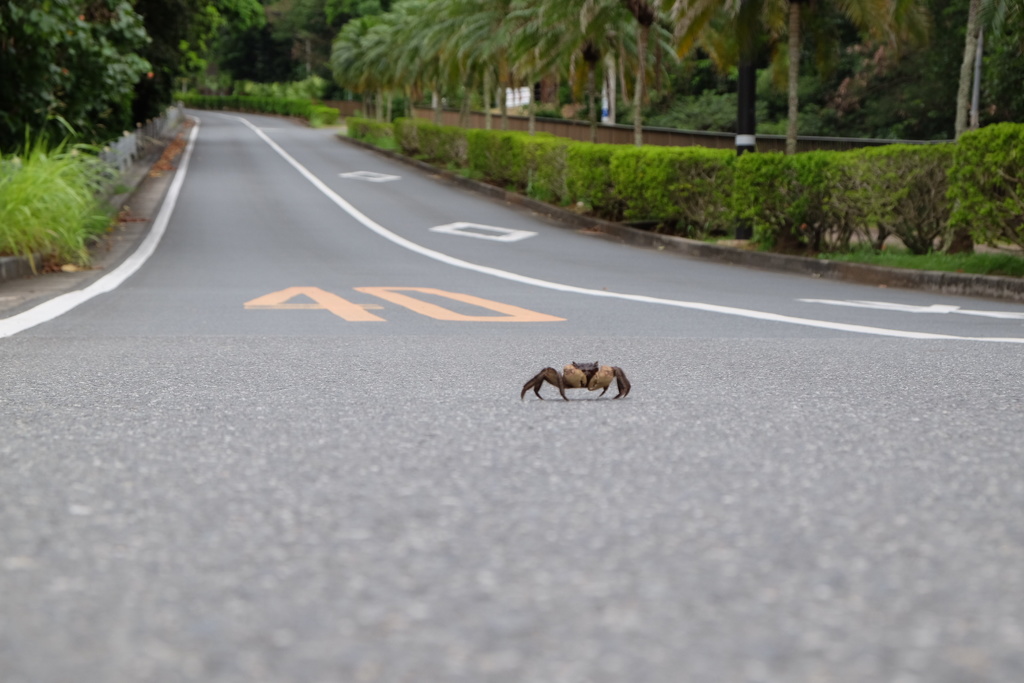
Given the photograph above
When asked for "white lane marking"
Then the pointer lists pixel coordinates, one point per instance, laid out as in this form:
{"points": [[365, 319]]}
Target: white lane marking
{"points": [[370, 176], [60, 305], [909, 308], [546, 284], [484, 232]]}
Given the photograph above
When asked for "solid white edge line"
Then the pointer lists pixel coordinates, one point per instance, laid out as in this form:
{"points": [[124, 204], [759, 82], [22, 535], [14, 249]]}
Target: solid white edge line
{"points": [[523, 279], [60, 305]]}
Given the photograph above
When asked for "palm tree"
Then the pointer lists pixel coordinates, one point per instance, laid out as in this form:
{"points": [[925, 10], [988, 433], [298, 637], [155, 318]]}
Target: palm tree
{"points": [[896, 23], [587, 32]]}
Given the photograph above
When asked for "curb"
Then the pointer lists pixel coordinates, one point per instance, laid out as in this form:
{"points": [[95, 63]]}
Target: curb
{"points": [[941, 282], [15, 267]]}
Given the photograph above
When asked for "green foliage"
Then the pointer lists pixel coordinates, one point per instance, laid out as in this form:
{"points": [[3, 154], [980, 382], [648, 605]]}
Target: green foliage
{"points": [[547, 167], [901, 190], [499, 157], [788, 200], [407, 136], [183, 34], [312, 88], [68, 65], [374, 132], [685, 189], [589, 180], [986, 183], [320, 116], [1011, 265], [48, 202], [317, 115]]}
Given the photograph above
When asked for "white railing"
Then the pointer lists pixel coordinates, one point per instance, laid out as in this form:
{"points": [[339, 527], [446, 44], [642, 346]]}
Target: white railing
{"points": [[125, 150]]}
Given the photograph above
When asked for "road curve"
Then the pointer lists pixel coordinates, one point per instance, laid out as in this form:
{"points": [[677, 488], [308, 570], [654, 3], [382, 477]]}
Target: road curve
{"points": [[290, 446]]}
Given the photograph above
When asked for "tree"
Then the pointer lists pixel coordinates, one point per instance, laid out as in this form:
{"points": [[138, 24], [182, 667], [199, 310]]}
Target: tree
{"points": [[183, 32], [68, 63]]}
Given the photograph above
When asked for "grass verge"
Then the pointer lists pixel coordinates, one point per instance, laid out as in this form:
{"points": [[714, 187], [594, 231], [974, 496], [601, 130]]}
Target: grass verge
{"points": [[48, 202], [977, 264]]}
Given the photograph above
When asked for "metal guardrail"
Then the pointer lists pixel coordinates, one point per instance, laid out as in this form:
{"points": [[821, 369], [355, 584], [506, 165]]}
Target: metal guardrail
{"points": [[124, 151]]}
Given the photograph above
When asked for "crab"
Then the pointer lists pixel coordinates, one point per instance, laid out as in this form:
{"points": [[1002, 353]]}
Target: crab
{"points": [[591, 376]]}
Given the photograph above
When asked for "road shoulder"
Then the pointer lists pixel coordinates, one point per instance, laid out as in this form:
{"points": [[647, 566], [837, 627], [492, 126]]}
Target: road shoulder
{"points": [[148, 181]]}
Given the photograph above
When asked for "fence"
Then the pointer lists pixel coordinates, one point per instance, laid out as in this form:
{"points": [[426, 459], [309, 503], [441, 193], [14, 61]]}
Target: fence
{"points": [[121, 153], [667, 137]]}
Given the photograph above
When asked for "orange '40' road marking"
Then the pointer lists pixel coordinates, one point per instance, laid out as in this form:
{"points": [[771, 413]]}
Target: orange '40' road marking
{"points": [[345, 309]]}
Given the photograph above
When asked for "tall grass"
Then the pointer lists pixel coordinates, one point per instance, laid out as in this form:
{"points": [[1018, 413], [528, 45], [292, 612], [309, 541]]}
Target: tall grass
{"points": [[49, 202]]}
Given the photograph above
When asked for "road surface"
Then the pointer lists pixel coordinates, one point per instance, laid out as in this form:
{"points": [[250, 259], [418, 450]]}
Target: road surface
{"points": [[290, 447]]}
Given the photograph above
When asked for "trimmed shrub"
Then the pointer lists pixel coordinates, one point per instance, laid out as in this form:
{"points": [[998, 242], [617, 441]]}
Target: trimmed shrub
{"points": [[589, 180], [788, 200], [306, 109], [547, 168], [901, 190], [500, 157], [320, 116], [369, 130], [986, 184], [445, 145], [685, 189], [407, 136]]}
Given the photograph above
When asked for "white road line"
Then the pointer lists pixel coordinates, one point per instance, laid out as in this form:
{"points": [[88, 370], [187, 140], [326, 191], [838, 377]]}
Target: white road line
{"points": [[60, 305], [546, 284]]}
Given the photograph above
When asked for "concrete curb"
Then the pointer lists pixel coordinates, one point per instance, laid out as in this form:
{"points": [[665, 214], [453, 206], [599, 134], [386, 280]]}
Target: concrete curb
{"points": [[959, 284], [15, 267]]}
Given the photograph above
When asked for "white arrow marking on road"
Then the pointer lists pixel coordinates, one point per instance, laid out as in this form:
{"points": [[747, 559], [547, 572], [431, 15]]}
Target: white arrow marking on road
{"points": [[484, 232], [547, 284], [908, 308]]}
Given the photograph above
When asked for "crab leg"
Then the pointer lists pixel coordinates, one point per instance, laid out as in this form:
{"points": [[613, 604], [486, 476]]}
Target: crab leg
{"points": [[621, 382], [549, 375]]}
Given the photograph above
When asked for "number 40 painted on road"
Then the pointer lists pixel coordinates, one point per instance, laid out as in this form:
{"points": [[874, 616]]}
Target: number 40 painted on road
{"points": [[319, 299]]}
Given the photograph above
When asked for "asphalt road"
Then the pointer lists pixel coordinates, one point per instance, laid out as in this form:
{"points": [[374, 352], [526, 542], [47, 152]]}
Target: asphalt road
{"points": [[291, 448]]}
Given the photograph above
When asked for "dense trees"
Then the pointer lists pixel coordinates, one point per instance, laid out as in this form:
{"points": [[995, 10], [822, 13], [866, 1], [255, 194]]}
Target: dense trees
{"points": [[856, 68], [68, 63], [92, 67], [825, 67]]}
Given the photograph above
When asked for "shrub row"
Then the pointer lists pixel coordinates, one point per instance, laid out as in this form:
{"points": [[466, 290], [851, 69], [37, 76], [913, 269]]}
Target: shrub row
{"points": [[317, 115], [682, 190], [817, 201]]}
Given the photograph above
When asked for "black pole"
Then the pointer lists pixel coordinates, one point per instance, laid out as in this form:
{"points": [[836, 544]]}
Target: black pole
{"points": [[746, 125]]}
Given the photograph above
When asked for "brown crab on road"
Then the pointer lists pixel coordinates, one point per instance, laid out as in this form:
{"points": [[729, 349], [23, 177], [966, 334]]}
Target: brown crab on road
{"points": [[579, 376]]}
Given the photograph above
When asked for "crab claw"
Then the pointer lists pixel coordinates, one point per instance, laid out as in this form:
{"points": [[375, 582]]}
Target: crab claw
{"points": [[549, 375]]}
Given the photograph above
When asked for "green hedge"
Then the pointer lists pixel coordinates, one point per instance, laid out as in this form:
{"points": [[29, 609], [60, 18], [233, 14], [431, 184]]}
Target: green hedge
{"points": [[813, 201], [986, 183], [685, 190], [317, 115], [787, 199], [901, 190], [369, 130]]}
